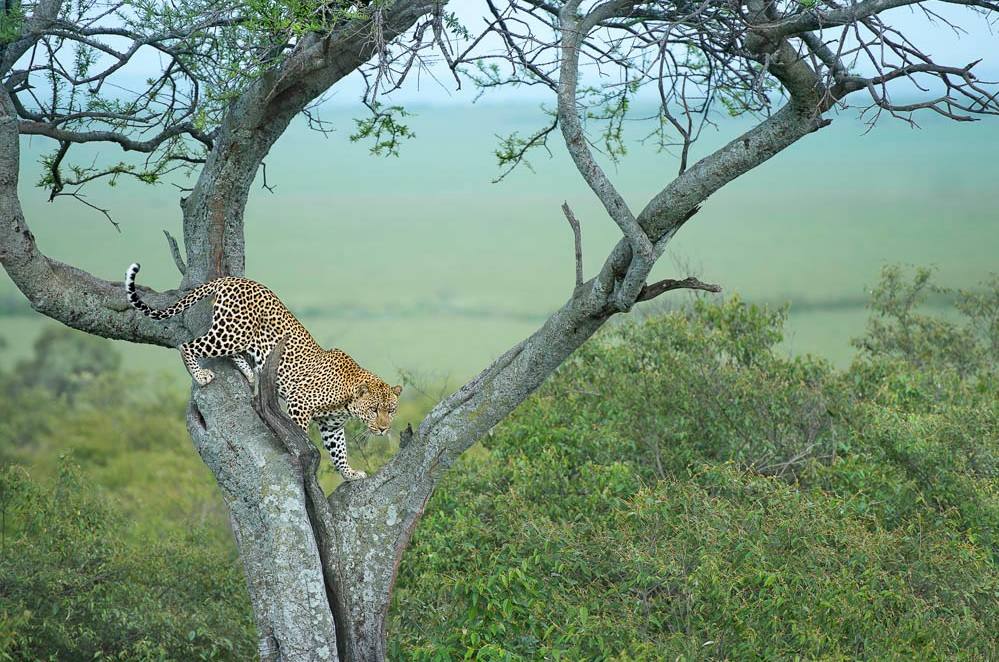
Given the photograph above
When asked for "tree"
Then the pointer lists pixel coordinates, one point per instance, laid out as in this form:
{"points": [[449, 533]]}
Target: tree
{"points": [[320, 569]]}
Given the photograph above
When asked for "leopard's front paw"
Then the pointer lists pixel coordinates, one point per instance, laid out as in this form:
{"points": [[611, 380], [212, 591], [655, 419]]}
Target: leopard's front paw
{"points": [[351, 475], [204, 377]]}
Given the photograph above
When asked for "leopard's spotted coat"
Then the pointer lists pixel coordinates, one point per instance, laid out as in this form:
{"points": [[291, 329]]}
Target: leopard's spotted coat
{"points": [[318, 384]]}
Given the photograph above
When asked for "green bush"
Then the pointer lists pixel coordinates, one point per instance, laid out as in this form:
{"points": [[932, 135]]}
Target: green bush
{"points": [[115, 544], [66, 361], [681, 490], [72, 586], [707, 383], [717, 564]]}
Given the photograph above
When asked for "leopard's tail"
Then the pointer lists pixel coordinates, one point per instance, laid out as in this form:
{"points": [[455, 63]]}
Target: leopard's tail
{"points": [[182, 304]]}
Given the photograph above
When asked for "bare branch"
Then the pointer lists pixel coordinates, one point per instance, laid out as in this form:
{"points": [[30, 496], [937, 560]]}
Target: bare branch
{"points": [[655, 289], [82, 199], [577, 240], [32, 128], [814, 19], [575, 139], [175, 253], [513, 149], [263, 175]]}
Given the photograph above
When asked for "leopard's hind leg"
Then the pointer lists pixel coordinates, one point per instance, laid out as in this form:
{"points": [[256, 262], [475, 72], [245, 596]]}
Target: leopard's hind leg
{"points": [[224, 338], [210, 345]]}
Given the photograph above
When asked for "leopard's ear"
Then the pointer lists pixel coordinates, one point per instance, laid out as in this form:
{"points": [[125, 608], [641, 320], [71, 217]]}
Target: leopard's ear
{"points": [[360, 390], [397, 389]]}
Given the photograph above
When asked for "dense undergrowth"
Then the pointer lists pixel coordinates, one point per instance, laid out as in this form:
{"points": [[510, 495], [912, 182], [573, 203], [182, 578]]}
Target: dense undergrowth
{"points": [[678, 489]]}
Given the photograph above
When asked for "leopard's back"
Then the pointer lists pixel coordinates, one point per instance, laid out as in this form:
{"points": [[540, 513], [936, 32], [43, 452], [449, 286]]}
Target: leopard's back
{"points": [[248, 317]]}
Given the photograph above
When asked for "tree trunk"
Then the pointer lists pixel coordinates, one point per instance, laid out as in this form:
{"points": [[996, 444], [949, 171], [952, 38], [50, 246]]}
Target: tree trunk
{"points": [[262, 487], [268, 502]]}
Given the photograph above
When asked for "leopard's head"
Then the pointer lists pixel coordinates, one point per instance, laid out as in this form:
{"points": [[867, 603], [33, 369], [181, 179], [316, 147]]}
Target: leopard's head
{"points": [[375, 403]]}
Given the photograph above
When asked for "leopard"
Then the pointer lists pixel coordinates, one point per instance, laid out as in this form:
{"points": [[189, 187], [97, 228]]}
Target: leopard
{"points": [[322, 385]]}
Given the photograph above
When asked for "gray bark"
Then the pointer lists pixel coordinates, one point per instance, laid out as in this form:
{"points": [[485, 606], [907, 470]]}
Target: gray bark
{"points": [[265, 492], [262, 487]]}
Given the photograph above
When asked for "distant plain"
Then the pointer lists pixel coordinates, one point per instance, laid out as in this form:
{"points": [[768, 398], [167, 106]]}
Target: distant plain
{"points": [[421, 263]]}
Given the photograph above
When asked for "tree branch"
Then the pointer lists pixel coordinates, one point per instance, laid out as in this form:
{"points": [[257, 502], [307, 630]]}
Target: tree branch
{"points": [[72, 296], [802, 114], [575, 139], [32, 128], [175, 253], [577, 241], [213, 213], [468, 413], [655, 289], [815, 19]]}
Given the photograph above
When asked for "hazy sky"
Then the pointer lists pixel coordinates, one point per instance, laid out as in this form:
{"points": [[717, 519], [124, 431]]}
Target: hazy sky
{"points": [[437, 86], [937, 39]]}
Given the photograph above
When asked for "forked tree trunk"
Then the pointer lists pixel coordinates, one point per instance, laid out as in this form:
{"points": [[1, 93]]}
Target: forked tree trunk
{"points": [[262, 488], [359, 531]]}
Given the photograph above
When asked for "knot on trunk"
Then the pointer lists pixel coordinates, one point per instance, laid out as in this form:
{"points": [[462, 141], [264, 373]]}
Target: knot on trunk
{"points": [[406, 436]]}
